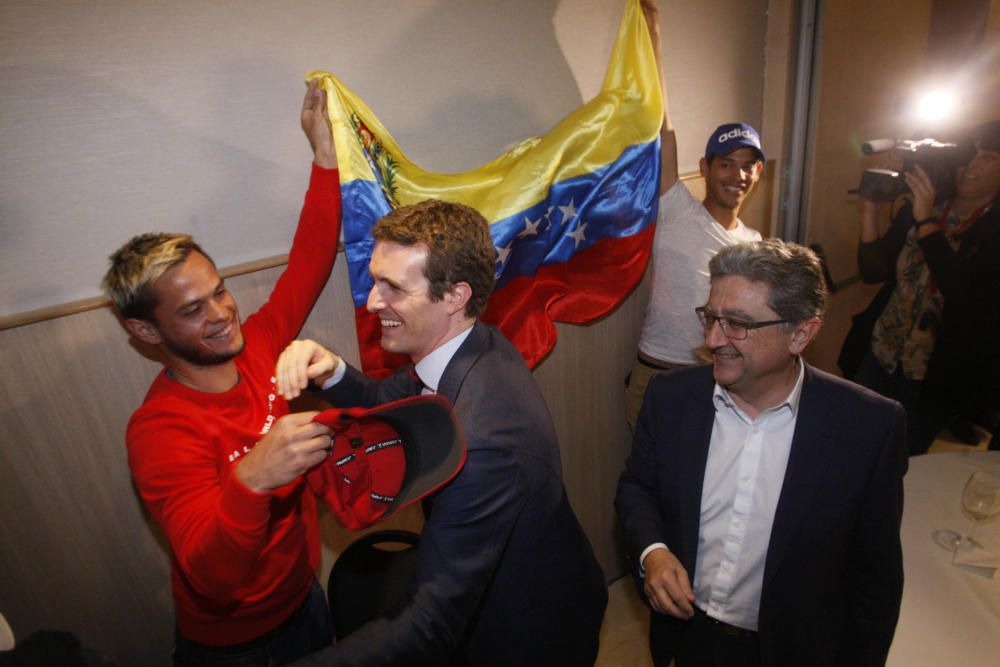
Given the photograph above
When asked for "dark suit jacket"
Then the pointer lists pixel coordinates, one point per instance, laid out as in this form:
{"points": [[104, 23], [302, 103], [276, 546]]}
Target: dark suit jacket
{"points": [[833, 576], [505, 574]]}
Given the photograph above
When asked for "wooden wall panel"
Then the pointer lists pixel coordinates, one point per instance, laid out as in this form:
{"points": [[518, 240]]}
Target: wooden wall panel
{"points": [[78, 553], [583, 383], [870, 58]]}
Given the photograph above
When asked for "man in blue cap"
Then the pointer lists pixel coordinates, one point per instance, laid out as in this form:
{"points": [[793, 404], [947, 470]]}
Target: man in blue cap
{"points": [[689, 233]]}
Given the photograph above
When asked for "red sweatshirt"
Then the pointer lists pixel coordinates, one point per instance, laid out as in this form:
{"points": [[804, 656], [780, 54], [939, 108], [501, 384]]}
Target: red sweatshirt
{"points": [[241, 562]]}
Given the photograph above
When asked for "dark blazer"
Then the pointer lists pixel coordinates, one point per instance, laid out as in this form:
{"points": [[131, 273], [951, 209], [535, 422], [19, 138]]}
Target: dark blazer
{"points": [[505, 574], [833, 576]]}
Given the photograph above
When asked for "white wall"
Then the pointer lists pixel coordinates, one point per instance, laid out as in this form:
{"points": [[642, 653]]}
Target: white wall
{"points": [[126, 116]]}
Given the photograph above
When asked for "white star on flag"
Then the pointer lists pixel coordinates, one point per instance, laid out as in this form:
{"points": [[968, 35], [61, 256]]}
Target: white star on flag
{"points": [[502, 253], [577, 234], [530, 228], [569, 212]]}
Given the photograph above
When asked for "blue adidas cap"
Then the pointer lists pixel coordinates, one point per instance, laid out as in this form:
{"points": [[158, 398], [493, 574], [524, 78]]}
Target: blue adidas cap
{"points": [[732, 136]]}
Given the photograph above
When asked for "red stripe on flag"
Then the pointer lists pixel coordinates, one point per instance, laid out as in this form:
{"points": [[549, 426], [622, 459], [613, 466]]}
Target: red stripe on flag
{"points": [[586, 288]]}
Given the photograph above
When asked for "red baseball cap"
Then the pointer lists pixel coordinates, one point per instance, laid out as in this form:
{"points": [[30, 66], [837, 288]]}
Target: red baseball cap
{"points": [[387, 457]]}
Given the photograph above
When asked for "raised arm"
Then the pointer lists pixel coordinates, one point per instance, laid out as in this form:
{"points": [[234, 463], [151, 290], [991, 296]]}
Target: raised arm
{"points": [[668, 140], [949, 266], [314, 247], [877, 254]]}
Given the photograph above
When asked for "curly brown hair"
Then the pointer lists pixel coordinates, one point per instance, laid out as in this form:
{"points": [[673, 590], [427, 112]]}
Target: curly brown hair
{"points": [[459, 247]]}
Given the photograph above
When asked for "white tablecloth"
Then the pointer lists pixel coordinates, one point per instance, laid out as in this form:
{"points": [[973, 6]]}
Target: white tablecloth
{"points": [[950, 617]]}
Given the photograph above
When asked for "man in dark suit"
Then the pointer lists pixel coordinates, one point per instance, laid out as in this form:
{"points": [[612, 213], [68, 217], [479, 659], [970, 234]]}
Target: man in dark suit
{"points": [[505, 575], [762, 500]]}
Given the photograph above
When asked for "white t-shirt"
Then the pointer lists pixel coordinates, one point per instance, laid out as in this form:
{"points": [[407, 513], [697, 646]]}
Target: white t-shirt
{"points": [[687, 237]]}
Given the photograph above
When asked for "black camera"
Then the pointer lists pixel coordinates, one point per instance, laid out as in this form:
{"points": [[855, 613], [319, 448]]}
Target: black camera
{"points": [[938, 159]]}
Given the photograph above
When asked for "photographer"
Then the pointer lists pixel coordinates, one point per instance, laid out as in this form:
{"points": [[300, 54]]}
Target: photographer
{"points": [[926, 339]]}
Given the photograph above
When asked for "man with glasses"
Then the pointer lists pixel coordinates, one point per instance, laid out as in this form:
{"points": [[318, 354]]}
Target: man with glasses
{"points": [[762, 500]]}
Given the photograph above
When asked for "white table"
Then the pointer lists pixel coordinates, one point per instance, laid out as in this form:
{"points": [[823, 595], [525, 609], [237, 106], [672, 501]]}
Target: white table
{"points": [[950, 617]]}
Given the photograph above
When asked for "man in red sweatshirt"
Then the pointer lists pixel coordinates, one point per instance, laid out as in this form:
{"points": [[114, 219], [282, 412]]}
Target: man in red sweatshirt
{"points": [[213, 450]]}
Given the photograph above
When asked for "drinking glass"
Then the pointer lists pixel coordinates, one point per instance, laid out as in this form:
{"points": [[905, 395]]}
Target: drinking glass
{"points": [[980, 500]]}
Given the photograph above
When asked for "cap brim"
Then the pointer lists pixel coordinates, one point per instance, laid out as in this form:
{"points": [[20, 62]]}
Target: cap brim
{"points": [[759, 152], [434, 446]]}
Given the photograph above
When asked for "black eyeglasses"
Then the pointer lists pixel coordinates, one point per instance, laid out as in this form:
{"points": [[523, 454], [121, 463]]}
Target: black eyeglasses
{"points": [[732, 328]]}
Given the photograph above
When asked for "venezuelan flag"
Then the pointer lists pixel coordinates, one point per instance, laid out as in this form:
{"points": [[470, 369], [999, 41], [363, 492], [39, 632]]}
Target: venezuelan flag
{"points": [[571, 212]]}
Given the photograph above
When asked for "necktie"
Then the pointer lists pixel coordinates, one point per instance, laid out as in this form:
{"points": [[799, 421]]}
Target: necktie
{"points": [[421, 388]]}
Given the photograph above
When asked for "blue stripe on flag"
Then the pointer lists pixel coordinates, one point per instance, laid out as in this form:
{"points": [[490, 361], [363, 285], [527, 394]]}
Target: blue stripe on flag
{"points": [[615, 201]]}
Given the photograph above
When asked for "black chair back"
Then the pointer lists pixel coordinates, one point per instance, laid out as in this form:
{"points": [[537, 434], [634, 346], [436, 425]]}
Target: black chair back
{"points": [[370, 578]]}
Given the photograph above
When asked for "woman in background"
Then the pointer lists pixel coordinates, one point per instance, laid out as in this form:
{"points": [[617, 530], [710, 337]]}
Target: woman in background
{"points": [[929, 338]]}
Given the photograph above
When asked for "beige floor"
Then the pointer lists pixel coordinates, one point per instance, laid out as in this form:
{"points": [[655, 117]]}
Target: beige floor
{"points": [[626, 622]]}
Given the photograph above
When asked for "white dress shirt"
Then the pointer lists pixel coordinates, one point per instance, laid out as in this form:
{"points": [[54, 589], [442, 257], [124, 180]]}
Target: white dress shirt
{"points": [[429, 369], [743, 478]]}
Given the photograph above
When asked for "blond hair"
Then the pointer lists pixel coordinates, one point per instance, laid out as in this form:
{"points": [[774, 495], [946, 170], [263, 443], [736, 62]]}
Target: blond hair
{"points": [[136, 266]]}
